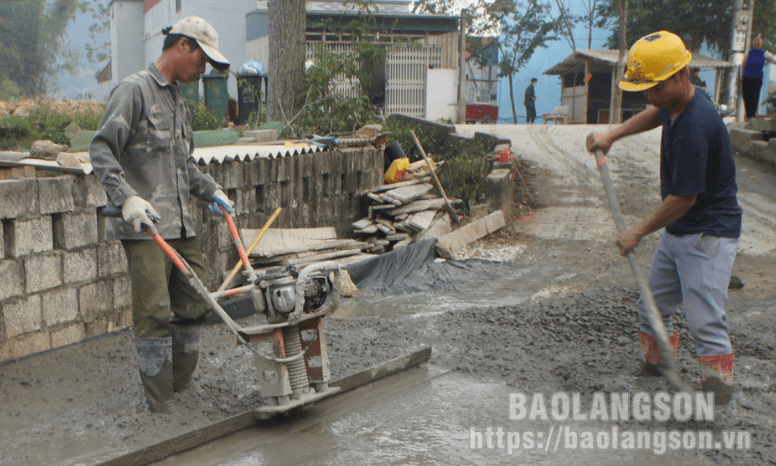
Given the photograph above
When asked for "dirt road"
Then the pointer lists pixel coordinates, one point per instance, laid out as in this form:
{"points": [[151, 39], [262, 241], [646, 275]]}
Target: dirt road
{"points": [[557, 316]]}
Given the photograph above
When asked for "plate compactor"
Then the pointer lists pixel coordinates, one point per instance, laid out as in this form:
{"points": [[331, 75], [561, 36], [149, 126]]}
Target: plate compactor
{"points": [[290, 349]]}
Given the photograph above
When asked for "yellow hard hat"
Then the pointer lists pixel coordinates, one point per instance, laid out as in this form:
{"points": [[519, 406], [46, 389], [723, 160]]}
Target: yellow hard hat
{"points": [[654, 58]]}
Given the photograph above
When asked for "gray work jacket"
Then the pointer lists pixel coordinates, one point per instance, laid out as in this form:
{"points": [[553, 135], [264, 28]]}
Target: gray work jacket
{"points": [[143, 147]]}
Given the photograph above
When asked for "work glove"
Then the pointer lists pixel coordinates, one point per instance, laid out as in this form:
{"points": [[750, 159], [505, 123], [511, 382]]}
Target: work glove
{"points": [[220, 200], [139, 212]]}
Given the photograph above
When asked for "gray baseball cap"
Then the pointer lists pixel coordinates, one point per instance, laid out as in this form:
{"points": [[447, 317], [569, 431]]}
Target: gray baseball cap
{"points": [[205, 35]]}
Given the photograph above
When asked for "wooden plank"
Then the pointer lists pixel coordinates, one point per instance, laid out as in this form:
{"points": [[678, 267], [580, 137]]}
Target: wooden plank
{"points": [[417, 206], [385, 229], [363, 223], [303, 261], [409, 193], [312, 246], [387, 187], [401, 226], [422, 220], [286, 238], [439, 228], [452, 242], [375, 197], [397, 236], [370, 230], [386, 198]]}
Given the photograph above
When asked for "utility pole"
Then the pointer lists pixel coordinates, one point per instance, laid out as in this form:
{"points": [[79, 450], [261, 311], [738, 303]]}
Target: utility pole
{"points": [[462, 70], [742, 31]]}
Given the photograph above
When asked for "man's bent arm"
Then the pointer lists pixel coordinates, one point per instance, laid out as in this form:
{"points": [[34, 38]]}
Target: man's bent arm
{"points": [[672, 209]]}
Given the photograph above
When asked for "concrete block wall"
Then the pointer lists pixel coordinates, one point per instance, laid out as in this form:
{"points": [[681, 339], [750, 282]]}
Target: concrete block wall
{"points": [[61, 282]]}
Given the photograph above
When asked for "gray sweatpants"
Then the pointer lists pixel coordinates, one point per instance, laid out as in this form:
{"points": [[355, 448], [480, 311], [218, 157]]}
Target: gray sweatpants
{"points": [[693, 270]]}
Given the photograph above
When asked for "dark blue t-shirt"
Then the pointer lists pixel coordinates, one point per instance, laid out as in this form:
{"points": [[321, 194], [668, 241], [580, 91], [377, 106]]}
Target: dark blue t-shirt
{"points": [[696, 158]]}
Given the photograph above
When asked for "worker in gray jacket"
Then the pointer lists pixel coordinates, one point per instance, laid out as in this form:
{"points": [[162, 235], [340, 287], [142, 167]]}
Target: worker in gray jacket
{"points": [[141, 155]]}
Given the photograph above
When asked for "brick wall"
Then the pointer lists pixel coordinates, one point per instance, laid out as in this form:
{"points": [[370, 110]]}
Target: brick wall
{"points": [[61, 282]]}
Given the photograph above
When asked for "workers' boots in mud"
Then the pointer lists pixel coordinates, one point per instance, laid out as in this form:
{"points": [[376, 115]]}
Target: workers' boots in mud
{"points": [[717, 377], [185, 354], [154, 359], [651, 352]]}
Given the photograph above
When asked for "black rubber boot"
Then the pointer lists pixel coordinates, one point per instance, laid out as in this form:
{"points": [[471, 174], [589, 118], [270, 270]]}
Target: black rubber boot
{"points": [[155, 364], [185, 354]]}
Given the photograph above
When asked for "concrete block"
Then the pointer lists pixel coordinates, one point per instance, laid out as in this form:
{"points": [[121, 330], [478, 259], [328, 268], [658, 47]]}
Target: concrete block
{"points": [[257, 171], [499, 191], [230, 175], [87, 192], [18, 198], [68, 335], [741, 139], [245, 201], [29, 236], [73, 231], [56, 194], [96, 300], [283, 165], [80, 266], [59, 306], [97, 327], [761, 124], [28, 344], [22, 316], [43, 272], [763, 151], [122, 293], [13, 279], [261, 135], [111, 259]]}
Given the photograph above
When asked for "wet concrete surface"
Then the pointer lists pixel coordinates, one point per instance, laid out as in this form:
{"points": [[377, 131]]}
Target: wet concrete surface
{"points": [[428, 417], [557, 317]]}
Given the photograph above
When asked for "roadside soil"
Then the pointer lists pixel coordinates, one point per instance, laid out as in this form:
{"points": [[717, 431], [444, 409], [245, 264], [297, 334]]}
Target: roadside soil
{"points": [[576, 333]]}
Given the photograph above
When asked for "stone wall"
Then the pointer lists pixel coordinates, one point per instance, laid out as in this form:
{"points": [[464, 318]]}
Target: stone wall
{"points": [[61, 282]]}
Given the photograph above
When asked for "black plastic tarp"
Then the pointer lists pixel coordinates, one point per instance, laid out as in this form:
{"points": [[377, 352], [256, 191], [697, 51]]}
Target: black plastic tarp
{"points": [[414, 269]]}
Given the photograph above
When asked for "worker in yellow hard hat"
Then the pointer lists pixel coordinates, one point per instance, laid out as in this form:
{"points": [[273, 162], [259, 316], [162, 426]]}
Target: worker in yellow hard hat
{"points": [[699, 219]]}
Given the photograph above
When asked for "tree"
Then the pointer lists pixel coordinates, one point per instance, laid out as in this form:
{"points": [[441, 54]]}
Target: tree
{"points": [[287, 36], [33, 46], [522, 28], [525, 27], [99, 50], [695, 21]]}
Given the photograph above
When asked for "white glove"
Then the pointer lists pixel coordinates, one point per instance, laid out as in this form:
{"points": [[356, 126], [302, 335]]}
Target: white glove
{"points": [[139, 212], [220, 200]]}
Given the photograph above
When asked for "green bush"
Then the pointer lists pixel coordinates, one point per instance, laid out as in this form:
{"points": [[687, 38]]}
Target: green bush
{"points": [[19, 132], [203, 119]]}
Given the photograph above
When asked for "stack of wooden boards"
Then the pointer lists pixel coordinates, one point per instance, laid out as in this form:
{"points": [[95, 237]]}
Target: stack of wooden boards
{"points": [[400, 214], [301, 247]]}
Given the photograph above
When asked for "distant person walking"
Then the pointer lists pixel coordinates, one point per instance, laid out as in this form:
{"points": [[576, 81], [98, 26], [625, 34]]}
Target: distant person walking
{"points": [[530, 98], [752, 72]]}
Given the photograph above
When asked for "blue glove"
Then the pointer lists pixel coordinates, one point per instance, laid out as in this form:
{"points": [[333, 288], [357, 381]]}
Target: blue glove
{"points": [[220, 200]]}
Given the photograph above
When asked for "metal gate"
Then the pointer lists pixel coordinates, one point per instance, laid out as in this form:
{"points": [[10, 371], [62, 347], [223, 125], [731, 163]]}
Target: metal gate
{"points": [[341, 85], [405, 77]]}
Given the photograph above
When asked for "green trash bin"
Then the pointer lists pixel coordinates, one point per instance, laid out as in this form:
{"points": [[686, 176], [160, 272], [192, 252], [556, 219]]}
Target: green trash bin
{"points": [[190, 91], [216, 93]]}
